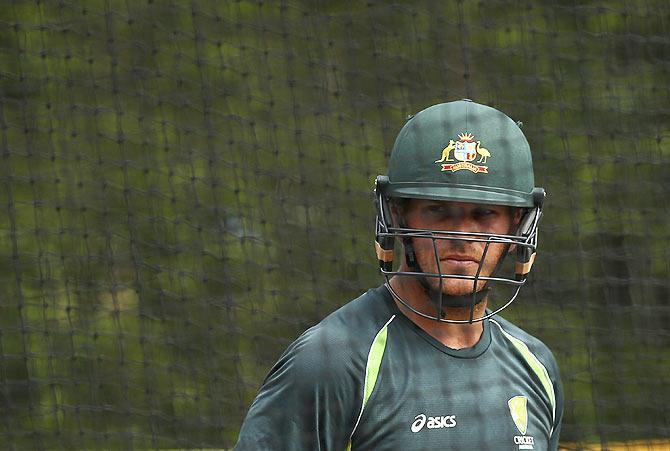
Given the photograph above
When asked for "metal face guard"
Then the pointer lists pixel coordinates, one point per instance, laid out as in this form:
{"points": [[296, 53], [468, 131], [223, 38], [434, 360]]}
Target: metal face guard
{"points": [[525, 243]]}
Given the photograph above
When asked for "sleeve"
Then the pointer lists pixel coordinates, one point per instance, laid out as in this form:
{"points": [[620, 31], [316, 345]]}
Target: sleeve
{"points": [[308, 400], [556, 379]]}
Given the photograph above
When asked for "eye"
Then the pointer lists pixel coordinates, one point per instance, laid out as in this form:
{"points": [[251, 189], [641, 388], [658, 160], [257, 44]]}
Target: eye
{"points": [[484, 213], [442, 210], [435, 208]]}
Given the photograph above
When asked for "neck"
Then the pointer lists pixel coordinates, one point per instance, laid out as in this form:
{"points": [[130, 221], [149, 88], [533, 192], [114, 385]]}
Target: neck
{"points": [[453, 335]]}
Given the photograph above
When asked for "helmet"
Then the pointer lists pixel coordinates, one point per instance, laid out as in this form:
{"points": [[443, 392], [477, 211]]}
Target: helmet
{"points": [[464, 152]]}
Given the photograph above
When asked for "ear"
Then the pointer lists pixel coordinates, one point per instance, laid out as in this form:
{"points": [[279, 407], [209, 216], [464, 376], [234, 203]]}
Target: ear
{"points": [[399, 208], [395, 213], [517, 215]]}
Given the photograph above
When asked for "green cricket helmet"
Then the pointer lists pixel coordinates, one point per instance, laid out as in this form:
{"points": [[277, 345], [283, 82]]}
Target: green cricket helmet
{"points": [[461, 152]]}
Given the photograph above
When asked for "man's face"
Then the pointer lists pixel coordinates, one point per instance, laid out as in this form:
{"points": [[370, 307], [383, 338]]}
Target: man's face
{"points": [[458, 256]]}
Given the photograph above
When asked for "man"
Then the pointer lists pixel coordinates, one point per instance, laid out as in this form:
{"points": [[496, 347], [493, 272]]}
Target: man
{"points": [[423, 362]]}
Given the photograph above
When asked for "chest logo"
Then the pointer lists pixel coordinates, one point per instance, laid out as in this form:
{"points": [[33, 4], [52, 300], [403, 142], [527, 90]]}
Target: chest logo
{"points": [[438, 422], [519, 411], [465, 150]]}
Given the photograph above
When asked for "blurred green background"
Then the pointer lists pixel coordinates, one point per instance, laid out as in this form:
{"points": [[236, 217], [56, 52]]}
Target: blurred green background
{"points": [[186, 187]]}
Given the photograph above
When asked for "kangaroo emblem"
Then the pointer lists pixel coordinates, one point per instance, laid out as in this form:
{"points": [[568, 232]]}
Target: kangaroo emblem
{"points": [[465, 151], [447, 150]]}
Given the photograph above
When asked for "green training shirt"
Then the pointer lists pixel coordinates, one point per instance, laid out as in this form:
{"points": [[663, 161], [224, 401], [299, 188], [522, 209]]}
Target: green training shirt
{"points": [[367, 378]]}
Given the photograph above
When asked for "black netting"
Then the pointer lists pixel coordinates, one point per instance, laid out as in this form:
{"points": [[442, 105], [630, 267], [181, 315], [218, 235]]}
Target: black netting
{"points": [[186, 186]]}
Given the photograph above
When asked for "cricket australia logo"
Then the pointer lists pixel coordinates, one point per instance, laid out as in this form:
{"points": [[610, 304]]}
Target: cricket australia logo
{"points": [[519, 412], [465, 150]]}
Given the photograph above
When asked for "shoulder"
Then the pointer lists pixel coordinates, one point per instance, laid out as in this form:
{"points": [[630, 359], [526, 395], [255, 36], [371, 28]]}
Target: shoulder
{"points": [[520, 338], [343, 337], [359, 319], [311, 396]]}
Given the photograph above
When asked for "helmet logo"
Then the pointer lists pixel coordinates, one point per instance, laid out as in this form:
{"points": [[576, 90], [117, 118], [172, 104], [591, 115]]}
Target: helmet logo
{"points": [[465, 150]]}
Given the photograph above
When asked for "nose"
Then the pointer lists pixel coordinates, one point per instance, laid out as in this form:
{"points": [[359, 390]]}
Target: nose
{"points": [[461, 221], [460, 218], [464, 222]]}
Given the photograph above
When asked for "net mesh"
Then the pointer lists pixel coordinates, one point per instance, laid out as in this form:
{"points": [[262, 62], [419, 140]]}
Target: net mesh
{"points": [[187, 186]]}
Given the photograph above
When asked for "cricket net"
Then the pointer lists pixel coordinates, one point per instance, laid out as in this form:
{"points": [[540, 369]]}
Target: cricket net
{"points": [[186, 187]]}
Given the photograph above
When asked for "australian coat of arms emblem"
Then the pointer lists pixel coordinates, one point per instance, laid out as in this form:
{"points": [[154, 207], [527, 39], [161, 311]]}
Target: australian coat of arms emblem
{"points": [[465, 150]]}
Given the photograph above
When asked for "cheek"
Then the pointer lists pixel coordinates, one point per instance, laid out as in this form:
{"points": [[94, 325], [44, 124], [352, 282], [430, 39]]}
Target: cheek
{"points": [[424, 248], [494, 253], [501, 226]]}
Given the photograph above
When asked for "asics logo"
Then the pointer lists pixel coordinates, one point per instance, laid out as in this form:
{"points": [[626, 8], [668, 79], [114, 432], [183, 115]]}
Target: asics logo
{"points": [[438, 422]]}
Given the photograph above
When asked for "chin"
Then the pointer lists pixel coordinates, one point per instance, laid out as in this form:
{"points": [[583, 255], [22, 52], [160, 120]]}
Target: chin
{"points": [[459, 288]]}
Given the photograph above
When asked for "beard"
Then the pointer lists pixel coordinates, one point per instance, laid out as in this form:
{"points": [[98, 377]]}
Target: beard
{"points": [[449, 265], [455, 286]]}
